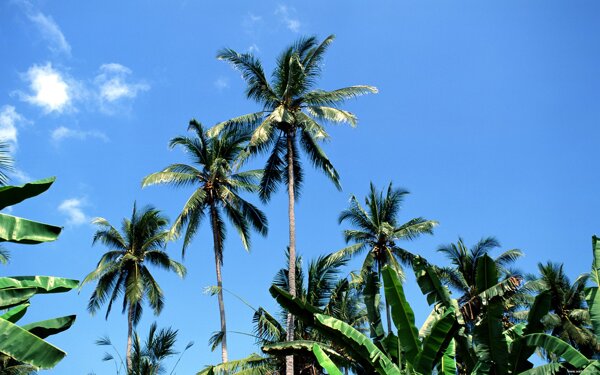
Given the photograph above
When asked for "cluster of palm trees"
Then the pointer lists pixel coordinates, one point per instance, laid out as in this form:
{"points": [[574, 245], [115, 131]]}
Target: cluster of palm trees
{"points": [[291, 118]]}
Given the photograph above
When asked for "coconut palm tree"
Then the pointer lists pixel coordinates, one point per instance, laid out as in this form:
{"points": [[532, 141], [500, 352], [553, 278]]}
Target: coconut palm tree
{"points": [[217, 192], [123, 270], [569, 318], [462, 275], [6, 165], [377, 230], [292, 115]]}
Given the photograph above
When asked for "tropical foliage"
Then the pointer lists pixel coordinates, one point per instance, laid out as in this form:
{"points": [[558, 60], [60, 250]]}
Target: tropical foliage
{"points": [[23, 348], [123, 269]]}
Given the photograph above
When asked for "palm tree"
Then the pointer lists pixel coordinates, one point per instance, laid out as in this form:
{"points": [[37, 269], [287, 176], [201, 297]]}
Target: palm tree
{"points": [[462, 275], [569, 318], [292, 113], [377, 230], [148, 358], [217, 191], [123, 270]]}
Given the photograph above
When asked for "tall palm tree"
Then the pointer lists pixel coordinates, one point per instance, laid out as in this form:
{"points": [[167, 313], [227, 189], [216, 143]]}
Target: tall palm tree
{"points": [[569, 317], [217, 192], [123, 270], [377, 229], [292, 114]]}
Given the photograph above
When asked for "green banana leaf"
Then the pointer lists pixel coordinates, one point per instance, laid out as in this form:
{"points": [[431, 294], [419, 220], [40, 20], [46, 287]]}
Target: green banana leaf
{"points": [[49, 327], [519, 353], [591, 369], [402, 314], [253, 364], [16, 313], [372, 300], [430, 283], [43, 284], [492, 347], [436, 343], [23, 231], [500, 289], [26, 347], [294, 305], [11, 195], [355, 342], [547, 369], [447, 364], [391, 346], [325, 361], [557, 347], [486, 273], [593, 297], [300, 347], [10, 298]]}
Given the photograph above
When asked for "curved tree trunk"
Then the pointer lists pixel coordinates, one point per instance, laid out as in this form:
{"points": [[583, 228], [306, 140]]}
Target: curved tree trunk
{"points": [[217, 240], [129, 337], [289, 360]]}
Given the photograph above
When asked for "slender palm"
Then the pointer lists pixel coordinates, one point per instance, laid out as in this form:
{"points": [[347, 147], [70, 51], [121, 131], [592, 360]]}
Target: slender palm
{"points": [[569, 317], [217, 191], [123, 270], [377, 230], [292, 115]]}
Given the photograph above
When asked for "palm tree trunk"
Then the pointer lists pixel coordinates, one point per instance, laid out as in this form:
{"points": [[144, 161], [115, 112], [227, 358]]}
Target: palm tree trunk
{"points": [[289, 360], [217, 240], [129, 337]]}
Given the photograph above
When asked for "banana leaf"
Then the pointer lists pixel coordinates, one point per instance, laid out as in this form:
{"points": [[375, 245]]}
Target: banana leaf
{"points": [[43, 284], [11, 195], [49, 327], [300, 347], [23, 231], [355, 342], [26, 347], [520, 353], [500, 289], [591, 369], [436, 343], [486, 273], [253, 364], [372, 300], [557, 347], [447, 364], [402, 315], [325, 361], [593, 297], [10, 298], [16, 313], [430, 283], [492, 347]]}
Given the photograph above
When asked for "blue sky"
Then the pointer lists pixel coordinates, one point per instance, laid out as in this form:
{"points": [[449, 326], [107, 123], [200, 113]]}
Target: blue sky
{"points": [[487, 112]]}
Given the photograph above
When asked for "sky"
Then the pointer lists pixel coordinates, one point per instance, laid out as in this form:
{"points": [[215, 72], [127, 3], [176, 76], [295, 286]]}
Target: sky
{"points": [[487, 112]]}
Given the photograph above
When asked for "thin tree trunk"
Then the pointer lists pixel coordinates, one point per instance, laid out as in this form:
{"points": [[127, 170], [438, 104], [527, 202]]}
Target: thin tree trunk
{"points": [[289, 360], [218, 248], [129, 338]]}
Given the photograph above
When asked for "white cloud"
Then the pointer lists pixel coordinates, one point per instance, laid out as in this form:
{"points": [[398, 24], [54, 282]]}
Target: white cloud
{"points": [[61, 133], [285, 12], [49, 89], [51, 32], [253, 48], [72, 208], [8, 125], [251, 22], [113, 85], [222, 83]]}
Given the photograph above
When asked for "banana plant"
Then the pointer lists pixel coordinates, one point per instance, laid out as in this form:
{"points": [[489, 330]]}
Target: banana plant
{"points": [[406, 353], [24, 346]]}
